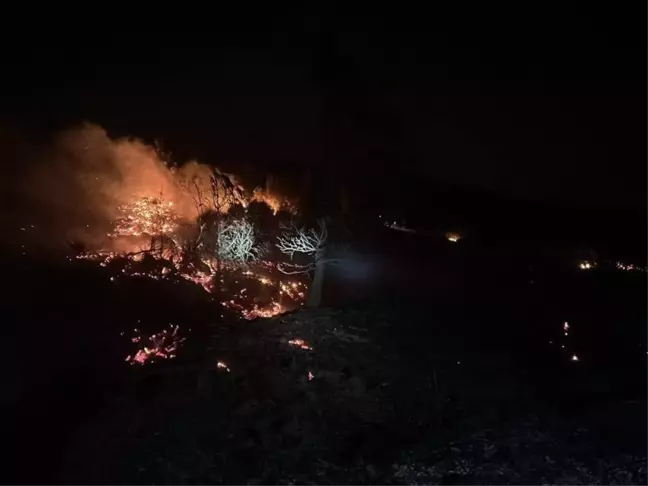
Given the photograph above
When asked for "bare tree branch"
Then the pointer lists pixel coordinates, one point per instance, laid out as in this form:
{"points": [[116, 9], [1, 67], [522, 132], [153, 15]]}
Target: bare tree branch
{"points": [[309, 242], [300, 240], [236, 241], [225, 191], [293, 268]]}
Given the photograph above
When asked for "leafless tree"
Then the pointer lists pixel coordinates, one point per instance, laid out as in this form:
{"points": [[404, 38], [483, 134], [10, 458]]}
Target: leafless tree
{"points": [[237, 242], [312, 243], [212, 204], [218, 195], [225, 191]]}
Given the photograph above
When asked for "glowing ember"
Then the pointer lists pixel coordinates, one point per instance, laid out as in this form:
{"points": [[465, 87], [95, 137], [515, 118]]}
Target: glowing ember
{"points": [[586, 265], [300, 343], [223, 366], [146, 216], [628, 267], [453, 237], [294, 290], [271, 310], [243, 302], [205, 280], [161, 345], [255, 311]]}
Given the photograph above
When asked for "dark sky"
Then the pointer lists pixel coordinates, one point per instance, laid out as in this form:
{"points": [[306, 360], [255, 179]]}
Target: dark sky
{"points": [[547, 104]]}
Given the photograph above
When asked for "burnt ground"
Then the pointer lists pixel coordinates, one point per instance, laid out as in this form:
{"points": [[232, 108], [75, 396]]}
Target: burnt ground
{"points": [[443, 369]]}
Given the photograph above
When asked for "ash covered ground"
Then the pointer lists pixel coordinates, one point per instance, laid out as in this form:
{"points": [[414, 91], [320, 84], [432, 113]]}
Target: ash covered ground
{"points": [[431, 362]]}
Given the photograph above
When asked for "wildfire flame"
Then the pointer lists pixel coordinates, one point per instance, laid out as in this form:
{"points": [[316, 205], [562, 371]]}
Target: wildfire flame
{"points": [[156, 219], [273, 201]]}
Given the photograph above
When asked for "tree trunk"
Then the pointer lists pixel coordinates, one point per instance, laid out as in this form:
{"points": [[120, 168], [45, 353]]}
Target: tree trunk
{"points": [[315, 293]]}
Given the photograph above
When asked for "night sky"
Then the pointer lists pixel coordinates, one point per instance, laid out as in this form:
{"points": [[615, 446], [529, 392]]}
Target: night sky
{"points": [[546, 105]]}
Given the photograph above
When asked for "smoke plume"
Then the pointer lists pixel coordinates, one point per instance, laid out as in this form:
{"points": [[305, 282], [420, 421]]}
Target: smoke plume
{"points": [[78, 182]]}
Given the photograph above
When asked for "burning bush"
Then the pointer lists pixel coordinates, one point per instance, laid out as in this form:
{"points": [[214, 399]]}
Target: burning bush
{"points": [[139, 214]]}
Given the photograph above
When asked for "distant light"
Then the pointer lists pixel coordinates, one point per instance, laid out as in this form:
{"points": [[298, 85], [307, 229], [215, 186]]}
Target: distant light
{"points": [[574, 358]]}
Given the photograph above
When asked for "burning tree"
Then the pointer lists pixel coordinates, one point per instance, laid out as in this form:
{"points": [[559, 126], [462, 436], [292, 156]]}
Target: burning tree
{"points": [[311, 243]]}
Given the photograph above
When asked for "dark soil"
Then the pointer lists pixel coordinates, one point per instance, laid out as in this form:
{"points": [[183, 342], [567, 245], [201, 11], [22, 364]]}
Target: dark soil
{"points": [[444, 370]]}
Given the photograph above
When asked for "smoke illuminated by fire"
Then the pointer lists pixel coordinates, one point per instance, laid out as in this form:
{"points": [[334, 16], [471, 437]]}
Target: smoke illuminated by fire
{"points": [[86, 181]]}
